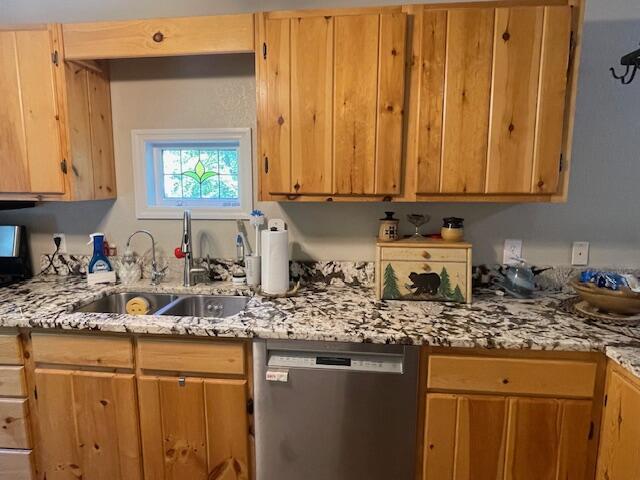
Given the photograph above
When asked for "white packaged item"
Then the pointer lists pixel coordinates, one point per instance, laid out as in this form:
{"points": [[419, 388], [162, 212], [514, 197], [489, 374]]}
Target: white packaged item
{"points": [[275, 259]]}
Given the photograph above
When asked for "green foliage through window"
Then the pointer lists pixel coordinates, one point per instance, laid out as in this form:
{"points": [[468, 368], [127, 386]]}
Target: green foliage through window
{"points": [[206, 173]]}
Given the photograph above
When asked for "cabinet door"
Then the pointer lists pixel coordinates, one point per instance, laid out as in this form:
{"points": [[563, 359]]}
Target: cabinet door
{"points": [[479, 437], [30, 148], [194, 428], [620, 437], [88, 425]]}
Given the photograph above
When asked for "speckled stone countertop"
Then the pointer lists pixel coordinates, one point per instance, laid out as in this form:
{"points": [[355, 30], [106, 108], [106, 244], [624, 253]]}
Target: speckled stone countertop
{"points": [[334, 313]]}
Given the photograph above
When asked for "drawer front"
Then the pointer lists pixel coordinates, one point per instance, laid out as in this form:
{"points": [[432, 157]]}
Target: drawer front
{"points": [[12, 382], [424, 254], [83, 350], [16, 465], [14, 423], [10, 350], [433, 281], [159, 37], [198, 357], [558, 378]]}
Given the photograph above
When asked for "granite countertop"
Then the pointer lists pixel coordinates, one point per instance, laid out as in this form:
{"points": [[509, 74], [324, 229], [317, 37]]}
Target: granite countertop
{"points": [[334, 313]]}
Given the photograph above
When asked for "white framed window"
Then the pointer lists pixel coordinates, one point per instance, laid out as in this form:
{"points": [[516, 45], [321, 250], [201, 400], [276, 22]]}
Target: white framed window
{"points": [[207, 171]]}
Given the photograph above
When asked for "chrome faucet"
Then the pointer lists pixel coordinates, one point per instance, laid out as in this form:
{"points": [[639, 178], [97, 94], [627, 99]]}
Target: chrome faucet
{"points": [[187, 252], [156, 275]]}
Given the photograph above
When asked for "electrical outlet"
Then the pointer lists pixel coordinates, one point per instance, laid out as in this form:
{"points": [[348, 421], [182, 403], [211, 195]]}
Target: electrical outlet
{"points": [[63, 242], [512, 251], [580, 253]]}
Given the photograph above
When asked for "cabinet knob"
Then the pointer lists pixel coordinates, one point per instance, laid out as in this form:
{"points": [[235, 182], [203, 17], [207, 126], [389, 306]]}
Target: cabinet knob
{"points": [[158, 37], [426, 254], [181, 381], [426, 268]]}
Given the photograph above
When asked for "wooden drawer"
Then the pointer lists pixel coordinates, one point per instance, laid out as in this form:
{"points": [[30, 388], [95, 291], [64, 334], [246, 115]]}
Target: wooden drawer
{"points": [[557, 378], [204, 357], [10, 350], [159, 37], [12, 382], [16, 465], [83, 350], [14, 423], [424, 254]]}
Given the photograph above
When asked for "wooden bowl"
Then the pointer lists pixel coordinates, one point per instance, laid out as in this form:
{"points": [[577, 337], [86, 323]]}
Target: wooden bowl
{"points": [[623, 301]]}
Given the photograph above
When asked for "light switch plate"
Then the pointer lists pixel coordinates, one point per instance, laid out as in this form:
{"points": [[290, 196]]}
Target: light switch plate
{"points": [[512, 251], [580, 253], [63, 242]]}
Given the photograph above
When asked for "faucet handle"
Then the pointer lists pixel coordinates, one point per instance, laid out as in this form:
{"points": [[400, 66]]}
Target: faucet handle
{"points": [[178, 252]]}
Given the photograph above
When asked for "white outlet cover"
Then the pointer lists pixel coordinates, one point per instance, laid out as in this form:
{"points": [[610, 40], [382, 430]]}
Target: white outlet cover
{"points": [[512, 251], [63, 242], [580, 253]]}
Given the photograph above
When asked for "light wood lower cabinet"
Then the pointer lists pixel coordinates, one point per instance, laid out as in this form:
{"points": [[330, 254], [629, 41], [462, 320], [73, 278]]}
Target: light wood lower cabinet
{"points": [[88, 425], [619, 457], [476, 437], [194, 428]]}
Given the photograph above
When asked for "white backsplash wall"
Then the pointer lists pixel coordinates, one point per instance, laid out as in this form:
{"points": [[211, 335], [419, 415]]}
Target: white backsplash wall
{"points": [[219, 92]]}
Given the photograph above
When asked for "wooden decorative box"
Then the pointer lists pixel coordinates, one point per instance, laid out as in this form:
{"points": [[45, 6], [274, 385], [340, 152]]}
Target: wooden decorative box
{"points": [[432, 270]]}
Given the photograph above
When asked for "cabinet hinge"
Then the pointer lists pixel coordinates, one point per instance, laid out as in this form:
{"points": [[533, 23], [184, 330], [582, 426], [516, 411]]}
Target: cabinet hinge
{"points": [[35, 393], [561, 167], [591, 428], [606, 397], [266, 164], [250, 406], [571, 50], [54, 57], [264, 50], [63, 166]]}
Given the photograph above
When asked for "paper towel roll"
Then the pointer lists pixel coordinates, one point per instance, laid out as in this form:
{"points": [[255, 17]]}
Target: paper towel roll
{"points": [[275, 261]]}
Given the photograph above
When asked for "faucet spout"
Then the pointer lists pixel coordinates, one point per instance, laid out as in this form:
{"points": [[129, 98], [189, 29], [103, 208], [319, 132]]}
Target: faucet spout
{"points": [[187, 250], [156, 275]]}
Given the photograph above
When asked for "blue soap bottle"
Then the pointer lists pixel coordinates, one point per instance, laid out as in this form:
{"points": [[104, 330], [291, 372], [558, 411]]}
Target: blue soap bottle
{"points": [[99, 262]]}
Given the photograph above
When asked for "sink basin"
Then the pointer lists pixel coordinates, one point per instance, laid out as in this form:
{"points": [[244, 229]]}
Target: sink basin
{"points": [[116, 302], [216, 306]]}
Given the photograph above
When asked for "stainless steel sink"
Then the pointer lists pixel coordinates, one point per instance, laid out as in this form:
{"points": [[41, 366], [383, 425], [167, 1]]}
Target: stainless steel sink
{"points": [[117, 302], [215, 306]]}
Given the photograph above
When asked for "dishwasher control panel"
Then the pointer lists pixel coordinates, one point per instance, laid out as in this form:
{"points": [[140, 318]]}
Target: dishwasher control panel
{"points": [[352, 361]]}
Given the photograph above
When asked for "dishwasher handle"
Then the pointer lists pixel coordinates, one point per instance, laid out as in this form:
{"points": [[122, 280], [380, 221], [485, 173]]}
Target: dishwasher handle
{"points": [[351, 361]]}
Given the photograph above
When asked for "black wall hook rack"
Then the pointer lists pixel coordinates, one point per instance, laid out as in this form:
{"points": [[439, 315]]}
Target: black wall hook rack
{"points": [[631, 62]]}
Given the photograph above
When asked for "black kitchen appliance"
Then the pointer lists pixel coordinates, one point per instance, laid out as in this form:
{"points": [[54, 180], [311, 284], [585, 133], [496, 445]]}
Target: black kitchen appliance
{"points": [[15, 262]]}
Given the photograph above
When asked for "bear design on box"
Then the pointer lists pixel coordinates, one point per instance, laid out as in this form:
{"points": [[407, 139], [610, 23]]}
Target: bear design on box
{"points": [[424, 283]]}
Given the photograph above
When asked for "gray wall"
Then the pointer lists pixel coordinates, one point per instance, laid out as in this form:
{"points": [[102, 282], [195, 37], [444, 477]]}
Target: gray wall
{"points": [[201, 92]]}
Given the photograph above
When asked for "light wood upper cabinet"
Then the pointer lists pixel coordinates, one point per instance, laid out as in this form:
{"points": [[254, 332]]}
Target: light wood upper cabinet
{"points": [[330, 101], [488, 101], [620, 438], [55, 132], [30, 143]]}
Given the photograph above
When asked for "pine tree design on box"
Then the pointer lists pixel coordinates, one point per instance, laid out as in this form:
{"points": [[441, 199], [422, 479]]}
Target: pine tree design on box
{"points": [[421, 286]]}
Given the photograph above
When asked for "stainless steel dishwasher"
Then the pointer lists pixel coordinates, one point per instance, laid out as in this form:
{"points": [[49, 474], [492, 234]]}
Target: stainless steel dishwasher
{"points": [[335, 411]]}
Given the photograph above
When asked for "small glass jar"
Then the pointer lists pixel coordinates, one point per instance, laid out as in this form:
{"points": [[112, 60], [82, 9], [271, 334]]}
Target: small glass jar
{"points": [[452, 229]]}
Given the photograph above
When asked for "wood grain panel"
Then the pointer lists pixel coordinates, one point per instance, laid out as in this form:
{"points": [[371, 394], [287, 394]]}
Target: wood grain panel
{"points": [[12, 382], [551, 99], [180, 36], [440, 437], [107, 425], [13, 147], [533, 439], [83, 350], [227, 429], [391, 64], [16, 465], [104, 170], [79, 130], [424, 254], [468, 87], [620, 437], [508, 375], [179, 356], [10, 351], [151, 427], [40, 111], [574, 440], [59, 454], [14, 423], [184, 429], [276, 130], [311, 102], [433, 49], [516, 71], [480, 439], [355, 93]]}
